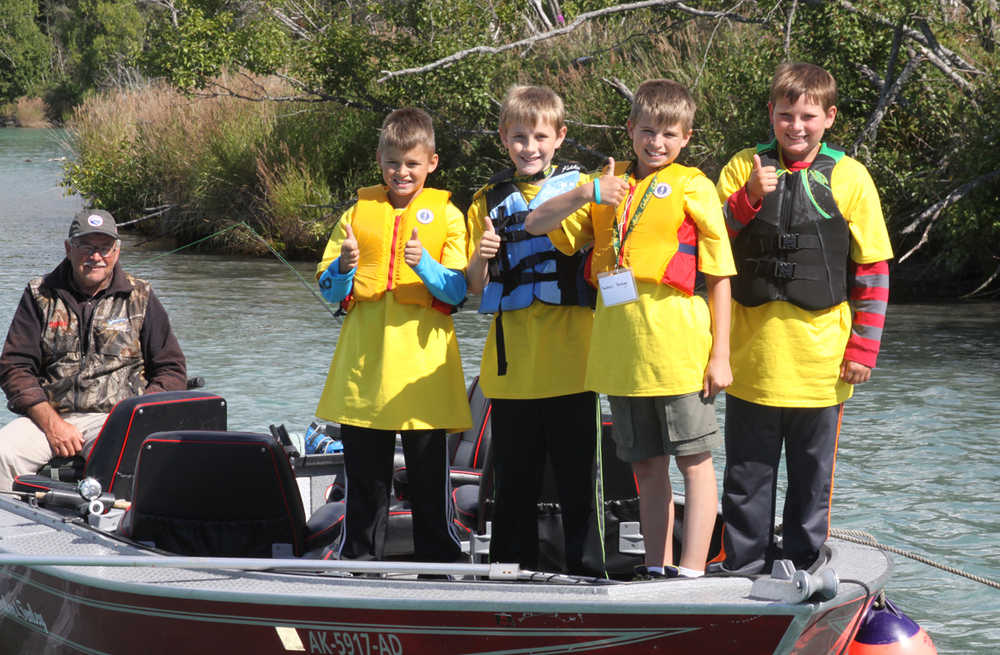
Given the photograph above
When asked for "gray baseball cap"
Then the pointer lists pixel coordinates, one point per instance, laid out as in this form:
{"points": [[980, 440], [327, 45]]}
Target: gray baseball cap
{"points": [[93, 221]]}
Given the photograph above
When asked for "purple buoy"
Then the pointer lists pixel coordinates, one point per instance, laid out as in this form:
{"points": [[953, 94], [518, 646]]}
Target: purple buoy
{"points": [[885, 630]]}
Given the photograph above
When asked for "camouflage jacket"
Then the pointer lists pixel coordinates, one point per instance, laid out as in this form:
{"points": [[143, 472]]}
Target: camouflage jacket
{"points": [[86, 354]]}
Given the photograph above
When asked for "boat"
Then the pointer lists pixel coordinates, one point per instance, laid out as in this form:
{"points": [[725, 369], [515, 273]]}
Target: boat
{"points": [[203, 546]]}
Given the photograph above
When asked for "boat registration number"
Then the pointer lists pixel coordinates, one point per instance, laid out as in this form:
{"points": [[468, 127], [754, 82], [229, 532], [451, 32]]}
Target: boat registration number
{"points": [[324, 642]]}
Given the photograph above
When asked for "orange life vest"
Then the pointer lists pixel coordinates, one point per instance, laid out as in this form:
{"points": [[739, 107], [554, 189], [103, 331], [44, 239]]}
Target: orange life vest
{"points": [[382, 232], [661, 241]]}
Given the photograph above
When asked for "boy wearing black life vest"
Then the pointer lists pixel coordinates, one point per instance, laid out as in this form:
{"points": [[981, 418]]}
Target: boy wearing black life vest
{"points": [[658, 350], [531, 366], [395, 262], [811, 247]]}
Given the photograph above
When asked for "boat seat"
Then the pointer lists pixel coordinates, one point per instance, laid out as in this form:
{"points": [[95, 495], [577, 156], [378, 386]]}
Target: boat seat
{"points": [[222, 494], [112, 459]]}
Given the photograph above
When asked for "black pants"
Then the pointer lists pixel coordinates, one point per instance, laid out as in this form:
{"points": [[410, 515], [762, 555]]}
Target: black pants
{"points": [[565, 429], [368, 456], [754, 436]]}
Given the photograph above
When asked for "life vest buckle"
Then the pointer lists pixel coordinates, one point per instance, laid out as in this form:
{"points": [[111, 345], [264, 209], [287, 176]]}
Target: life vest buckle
{"points": [[788, 241], [784, 270]]}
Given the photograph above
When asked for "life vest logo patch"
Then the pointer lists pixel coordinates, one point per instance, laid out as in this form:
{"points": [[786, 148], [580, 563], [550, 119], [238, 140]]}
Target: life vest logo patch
{"points": [[95, 220], [662, 190], [425, 216]]}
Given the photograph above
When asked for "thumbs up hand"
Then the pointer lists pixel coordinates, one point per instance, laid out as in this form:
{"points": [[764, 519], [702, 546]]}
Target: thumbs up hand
{"points": [[414, 250], [489, 245], [763, 180], [612, 188], [349, 252]]}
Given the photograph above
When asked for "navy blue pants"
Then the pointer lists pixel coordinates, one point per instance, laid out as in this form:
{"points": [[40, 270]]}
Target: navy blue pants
{"points": [[368, 456], [754, 437], [564, 430]]}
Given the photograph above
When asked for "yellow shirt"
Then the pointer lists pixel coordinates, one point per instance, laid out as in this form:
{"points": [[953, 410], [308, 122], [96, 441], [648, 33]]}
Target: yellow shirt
{"points": [[786, 356], [397, 366], [544, 343], [658, 345]]}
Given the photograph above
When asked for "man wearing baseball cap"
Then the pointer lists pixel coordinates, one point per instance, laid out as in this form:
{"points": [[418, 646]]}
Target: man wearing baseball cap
{"points": [[84, 337]]}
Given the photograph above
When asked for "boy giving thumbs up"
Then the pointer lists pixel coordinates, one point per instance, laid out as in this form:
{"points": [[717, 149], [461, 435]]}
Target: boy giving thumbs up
{"points": [[395, 262]]}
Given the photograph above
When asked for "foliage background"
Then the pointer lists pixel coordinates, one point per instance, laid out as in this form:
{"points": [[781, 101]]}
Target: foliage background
{"points": [[202, 112]]}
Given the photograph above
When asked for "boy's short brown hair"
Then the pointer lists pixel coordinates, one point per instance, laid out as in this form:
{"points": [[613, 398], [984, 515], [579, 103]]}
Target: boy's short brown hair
{"points": [[407, 128], [794, 79], [665, 102], [530, 105]]}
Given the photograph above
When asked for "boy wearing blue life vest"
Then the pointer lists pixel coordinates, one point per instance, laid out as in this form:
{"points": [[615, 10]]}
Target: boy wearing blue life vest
{"points": [[396, 263], [659, 351], [810, 298], [531, 366]]}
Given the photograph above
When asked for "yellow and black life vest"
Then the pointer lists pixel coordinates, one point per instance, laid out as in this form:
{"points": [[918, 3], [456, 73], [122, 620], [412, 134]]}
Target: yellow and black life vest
{"points": [[797, 246]]}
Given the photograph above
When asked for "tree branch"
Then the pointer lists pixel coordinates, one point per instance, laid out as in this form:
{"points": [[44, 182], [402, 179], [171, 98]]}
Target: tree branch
{"points": [[934, 51], [982, 286], [933, 212], [887, 95], [570, 27], [620, 87]]}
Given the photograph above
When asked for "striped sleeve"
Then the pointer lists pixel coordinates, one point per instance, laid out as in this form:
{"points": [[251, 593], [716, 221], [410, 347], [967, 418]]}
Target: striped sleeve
{"points": [[738, 211], [869, 298]]}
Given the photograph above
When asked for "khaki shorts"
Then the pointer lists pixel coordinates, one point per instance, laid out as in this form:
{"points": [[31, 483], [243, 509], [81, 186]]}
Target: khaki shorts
{"points": [[651, 426]]}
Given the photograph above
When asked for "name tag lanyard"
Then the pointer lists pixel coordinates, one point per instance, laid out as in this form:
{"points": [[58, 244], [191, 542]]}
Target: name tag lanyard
{"points": [[623, 228]]}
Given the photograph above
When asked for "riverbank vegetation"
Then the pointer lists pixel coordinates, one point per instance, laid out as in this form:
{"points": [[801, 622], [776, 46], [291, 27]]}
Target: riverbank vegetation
{"points": [[267, 112]]}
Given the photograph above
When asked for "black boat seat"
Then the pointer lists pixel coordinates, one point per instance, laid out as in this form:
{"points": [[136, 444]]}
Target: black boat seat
{"points": [[222, 494], [112, 459]]}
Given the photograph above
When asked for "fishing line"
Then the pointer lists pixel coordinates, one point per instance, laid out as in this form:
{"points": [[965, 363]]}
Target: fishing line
{"points": [[274, 252]]}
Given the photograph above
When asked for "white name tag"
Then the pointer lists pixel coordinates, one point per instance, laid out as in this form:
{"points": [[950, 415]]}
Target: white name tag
{"points": [[617, 287]]}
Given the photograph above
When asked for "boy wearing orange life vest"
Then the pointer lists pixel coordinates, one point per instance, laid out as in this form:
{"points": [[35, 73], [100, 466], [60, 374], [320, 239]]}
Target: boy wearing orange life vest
{"points": [[808, 236], [396, 263], [659, 351]]}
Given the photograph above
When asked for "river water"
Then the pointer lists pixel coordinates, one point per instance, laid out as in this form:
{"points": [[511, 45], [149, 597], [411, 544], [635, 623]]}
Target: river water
{"points": [[918, 466]]}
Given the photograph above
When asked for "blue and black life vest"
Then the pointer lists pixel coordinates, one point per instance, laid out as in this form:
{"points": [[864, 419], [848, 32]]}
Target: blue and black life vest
{"points": [[529, 267], [797, 247]]}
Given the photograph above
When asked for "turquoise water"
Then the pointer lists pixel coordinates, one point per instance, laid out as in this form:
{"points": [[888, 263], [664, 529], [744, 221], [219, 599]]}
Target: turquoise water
{"points": [[918, 466]]}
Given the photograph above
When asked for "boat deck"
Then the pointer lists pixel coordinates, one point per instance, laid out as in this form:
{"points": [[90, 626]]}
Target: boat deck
{"points": [[29, 531]]}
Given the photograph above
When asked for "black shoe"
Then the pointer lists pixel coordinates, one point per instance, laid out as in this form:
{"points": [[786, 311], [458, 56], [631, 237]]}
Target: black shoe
{"points": [[642, 572]]}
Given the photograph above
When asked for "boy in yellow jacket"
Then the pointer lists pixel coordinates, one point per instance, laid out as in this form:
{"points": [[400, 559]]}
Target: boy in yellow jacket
{"points": [[396, 263], [658, 351], [531, 366]]}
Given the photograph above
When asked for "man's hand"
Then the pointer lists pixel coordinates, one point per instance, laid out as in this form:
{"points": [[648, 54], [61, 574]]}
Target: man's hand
{"points": [[349, 252], [414, 250], [64, 438], [763, 180]]}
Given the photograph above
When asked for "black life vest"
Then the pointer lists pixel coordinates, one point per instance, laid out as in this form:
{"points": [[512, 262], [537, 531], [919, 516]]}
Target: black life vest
{"points": [[797, 247]]}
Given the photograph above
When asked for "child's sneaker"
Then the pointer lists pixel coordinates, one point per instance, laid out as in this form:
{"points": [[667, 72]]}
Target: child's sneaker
{"points": [[643, 572]]}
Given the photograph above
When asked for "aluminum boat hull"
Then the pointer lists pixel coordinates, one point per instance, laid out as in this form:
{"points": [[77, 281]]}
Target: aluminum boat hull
{"points": [[145, 609]]}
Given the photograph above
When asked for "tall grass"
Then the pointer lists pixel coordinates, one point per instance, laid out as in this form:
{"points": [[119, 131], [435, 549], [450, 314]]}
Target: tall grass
{"points": [[203, 162], [26, 112]]}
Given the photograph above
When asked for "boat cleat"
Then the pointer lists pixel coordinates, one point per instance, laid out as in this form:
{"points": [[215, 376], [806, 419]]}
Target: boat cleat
{"points": [[788, 585]]}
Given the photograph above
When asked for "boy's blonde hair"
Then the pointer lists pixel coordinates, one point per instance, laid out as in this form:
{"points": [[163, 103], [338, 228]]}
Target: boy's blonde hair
{"points": [[794, 79], [665, 102], [530, 105], [407, 128]]}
